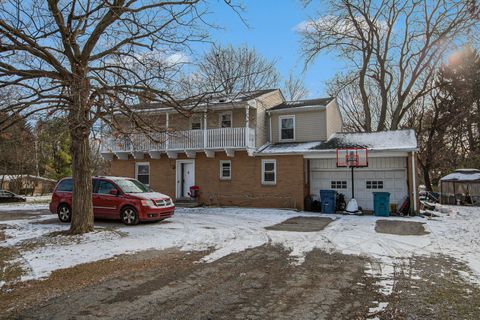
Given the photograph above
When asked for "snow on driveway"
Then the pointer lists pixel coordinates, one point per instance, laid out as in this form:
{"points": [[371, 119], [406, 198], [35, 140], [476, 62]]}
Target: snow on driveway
{"points": [[228, 230]]}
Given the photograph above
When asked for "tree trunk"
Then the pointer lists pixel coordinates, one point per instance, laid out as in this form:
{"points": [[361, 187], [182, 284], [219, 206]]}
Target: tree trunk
{"points": [[82, 208], [426, 178]]}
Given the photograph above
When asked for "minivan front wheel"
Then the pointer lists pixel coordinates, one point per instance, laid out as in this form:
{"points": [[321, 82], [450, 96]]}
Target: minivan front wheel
{"points": [[129, 216], [64, 213]]}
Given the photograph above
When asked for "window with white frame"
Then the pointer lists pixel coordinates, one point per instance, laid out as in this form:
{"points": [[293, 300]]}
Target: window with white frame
{"points": [[142, 172], [225, 119], [374, 184], [225, 170], [269, 171], [287, 127], [338, 184], [196, 122]]}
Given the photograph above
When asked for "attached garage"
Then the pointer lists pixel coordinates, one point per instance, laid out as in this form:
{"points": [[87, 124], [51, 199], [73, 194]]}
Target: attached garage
{"points": [[391, 166], [386, 174]]}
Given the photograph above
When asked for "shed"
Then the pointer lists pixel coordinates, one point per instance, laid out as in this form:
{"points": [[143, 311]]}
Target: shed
{"points": [[27, 184], [460, 187]]}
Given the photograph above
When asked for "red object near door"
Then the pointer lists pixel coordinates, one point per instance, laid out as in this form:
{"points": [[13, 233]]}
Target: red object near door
{"points": [[194, 191]]}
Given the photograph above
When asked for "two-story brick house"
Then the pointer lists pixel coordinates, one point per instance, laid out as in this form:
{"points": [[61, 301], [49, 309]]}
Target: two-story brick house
{"points": [[255, 149]]}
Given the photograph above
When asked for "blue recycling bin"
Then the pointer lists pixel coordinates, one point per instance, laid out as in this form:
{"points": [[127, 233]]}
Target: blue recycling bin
{"points": [[329, 200], [381, 204]]}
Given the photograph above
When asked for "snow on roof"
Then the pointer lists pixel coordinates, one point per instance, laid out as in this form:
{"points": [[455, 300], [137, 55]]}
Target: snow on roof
{"points": [[399, 140], [303, 103], [207, 100], [10, 177], [468, 175], [290, 147], [382, 140]]}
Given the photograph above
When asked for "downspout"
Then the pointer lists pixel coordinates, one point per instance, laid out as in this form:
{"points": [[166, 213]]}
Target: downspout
{"points": [[270, 127], [414, 183]]}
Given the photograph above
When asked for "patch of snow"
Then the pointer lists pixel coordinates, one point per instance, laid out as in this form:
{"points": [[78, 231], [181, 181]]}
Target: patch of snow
{"points": [[44, 198], [382, 140], [455, 233], [462, 175], [381, 306], [23, 206], [294, 147]]}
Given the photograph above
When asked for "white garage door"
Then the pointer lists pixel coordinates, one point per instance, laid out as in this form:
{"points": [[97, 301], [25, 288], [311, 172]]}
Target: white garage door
{"points": [[367, 181]]}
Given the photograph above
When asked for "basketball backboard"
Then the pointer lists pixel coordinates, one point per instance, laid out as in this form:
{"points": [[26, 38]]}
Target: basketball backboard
{"points": [[352, 157]]}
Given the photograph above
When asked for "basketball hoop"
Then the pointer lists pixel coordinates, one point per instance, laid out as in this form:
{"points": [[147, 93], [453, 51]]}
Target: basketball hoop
{"points": [[352, 158]]}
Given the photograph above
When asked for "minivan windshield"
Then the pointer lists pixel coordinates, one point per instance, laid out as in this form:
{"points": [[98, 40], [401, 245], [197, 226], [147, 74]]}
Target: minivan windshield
{"points": [[131, 186]]}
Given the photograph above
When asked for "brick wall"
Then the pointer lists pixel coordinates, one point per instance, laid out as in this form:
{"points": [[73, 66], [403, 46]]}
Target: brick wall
{"points": [[244, 189]]}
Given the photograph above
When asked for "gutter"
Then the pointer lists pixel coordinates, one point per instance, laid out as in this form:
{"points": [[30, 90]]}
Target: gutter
{"points": [[297, 109], [414, 183]]}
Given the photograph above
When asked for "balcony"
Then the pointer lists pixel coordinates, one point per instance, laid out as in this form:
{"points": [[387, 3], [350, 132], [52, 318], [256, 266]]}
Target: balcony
{"points": [[172, 143]]}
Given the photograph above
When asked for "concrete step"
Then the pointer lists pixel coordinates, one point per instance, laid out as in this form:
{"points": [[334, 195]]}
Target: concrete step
{"points": [[186, 203]]}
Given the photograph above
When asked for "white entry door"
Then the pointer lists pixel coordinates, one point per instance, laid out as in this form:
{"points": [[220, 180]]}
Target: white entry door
{"points": [[185, 177]]}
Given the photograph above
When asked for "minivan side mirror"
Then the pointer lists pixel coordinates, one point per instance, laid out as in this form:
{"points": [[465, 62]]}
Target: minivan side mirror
{"points": [[114, 192]]}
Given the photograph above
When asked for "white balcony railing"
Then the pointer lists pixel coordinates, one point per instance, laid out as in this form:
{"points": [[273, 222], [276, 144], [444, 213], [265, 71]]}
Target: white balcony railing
{"points": [[183, 140]]}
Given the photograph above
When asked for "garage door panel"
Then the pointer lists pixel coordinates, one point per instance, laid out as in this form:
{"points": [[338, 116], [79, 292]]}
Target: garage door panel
{"points": [[394, 181]]}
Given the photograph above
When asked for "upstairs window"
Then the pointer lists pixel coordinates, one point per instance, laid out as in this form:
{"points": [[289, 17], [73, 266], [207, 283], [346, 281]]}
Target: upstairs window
{"points": [[287, 128], [225, 120], [225, 170], [269, 171], [196, 122], [142, 172]]}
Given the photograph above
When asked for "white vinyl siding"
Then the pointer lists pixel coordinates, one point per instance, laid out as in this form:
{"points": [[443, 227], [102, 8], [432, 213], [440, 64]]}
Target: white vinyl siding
{"points": [[334, 118], [309, 126]]}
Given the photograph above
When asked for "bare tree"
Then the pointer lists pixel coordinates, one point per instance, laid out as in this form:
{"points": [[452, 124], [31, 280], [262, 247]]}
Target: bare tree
{"points": [[90, 59], [393, 48], [235, 69], [294, 88]]}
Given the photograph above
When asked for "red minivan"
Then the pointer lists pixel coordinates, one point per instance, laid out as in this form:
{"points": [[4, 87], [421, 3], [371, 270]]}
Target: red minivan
{"points": [[115, 198]]}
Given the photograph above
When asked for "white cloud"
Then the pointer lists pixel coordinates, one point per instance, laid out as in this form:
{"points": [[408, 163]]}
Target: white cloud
{"points": [[335, 23]]}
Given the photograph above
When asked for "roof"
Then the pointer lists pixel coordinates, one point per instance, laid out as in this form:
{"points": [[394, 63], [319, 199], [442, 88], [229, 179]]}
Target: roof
{"points": [[10, 177], [398, 140], [211, 99], [382, 140], [303, 103], [463, 175], [289, 147]]}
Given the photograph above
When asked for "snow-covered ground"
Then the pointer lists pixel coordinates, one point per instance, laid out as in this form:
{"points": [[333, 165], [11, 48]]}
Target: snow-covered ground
{"points": [[227, 230]]}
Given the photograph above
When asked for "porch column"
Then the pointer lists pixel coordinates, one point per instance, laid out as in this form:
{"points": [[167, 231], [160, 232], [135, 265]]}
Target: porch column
{"points": [[167, 125], [247, 125], [205, 129]]}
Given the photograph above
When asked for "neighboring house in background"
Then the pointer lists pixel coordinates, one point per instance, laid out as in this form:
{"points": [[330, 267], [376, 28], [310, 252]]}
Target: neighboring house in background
{"points": [[460, 187], [26, 184], [254, 149]]}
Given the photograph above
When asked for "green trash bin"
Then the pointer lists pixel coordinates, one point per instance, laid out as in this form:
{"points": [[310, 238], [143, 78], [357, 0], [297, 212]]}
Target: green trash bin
{"points": [[381, 204]]}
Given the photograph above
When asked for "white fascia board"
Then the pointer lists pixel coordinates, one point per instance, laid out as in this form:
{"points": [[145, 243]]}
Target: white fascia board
{"points": [[330, 154], [199, 108], [298, 109]]}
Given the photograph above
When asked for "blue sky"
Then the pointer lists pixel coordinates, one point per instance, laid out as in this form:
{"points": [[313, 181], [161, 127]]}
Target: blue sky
{"points": [[271, 32]]}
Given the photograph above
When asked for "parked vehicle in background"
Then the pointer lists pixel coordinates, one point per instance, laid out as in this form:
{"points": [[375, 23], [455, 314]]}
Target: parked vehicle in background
{"points": [[7, 196], [115, 198]]}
